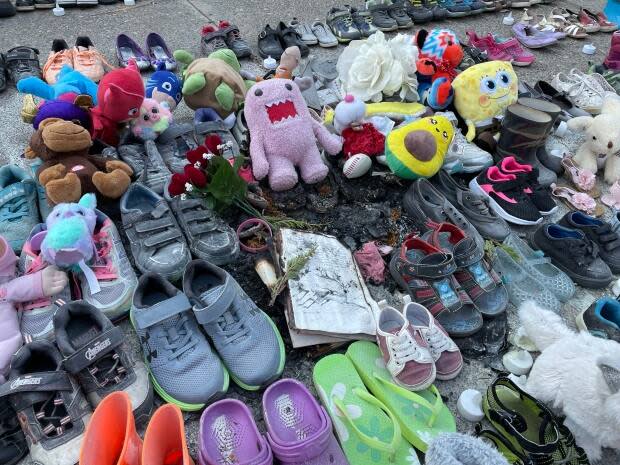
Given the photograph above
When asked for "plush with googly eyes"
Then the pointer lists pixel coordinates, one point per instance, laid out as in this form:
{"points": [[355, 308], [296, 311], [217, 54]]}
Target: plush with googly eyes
{"points": [[417, 150], [483, 92], [154, 118]]}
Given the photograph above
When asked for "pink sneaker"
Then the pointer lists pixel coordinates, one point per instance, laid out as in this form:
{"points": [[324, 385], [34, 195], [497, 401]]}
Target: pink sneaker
{"points": [[520, 56], [489, 45]]}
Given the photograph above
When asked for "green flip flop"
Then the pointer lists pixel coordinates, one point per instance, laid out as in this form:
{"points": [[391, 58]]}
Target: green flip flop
{"points": [[422, 415], [368, 431]]}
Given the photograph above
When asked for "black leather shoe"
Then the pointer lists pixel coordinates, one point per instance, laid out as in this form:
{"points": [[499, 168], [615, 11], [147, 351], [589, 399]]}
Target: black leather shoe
{"points": [[269, 44], [290, 38]]}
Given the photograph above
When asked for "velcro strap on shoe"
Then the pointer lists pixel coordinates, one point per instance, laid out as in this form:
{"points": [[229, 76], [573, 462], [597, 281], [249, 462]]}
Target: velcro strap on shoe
{"points": [[154, 225], [212, 312], [161, 311], [195, 215], [469, 255], [162, 237], [14, 191], [103, 344], [446, 267], [174, 130], [45, 381], [210, 126]]}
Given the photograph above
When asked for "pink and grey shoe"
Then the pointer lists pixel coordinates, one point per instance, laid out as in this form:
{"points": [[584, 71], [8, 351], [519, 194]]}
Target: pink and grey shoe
{"points": [[228, 434], [405, 351], [299, 430], [512, 47], [445, 353], [489, 45]]}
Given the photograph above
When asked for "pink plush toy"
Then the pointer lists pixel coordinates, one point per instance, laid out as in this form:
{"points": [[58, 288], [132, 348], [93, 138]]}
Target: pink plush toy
{"points": [[283, 135]]}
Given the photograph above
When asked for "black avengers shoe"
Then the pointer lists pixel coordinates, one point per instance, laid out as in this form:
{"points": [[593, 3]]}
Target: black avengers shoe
{"points": [[22, 62], [573, 253], [598, 232], [13, 445], [290, 38]]}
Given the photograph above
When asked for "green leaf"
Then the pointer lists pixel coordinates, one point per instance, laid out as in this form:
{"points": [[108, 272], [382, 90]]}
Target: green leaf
{"points": [[225, 185]]}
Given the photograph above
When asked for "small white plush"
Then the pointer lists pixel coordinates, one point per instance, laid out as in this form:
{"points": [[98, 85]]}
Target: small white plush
{"points": [[601, 148]]}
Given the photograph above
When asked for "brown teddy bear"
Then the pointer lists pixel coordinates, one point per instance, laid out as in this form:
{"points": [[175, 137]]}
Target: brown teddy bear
{"points": [[68, 170]]}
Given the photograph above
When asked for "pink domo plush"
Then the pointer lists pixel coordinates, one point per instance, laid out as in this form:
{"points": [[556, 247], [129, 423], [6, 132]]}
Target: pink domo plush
{"points": [[283, 135]]}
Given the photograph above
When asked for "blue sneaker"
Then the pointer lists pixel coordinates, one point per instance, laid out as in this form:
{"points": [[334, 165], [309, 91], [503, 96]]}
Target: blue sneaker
{"points": [[44, 206], [476, 6], [455, 8], [18, 205], [601, 319]]}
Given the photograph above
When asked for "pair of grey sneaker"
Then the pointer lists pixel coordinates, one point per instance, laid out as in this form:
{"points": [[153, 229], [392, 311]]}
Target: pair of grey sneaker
{"points": [[184, 368], [164, 232]]}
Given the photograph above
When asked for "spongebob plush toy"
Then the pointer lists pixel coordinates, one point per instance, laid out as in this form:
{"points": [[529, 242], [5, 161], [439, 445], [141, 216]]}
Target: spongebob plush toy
{"points": [[483, 92]]}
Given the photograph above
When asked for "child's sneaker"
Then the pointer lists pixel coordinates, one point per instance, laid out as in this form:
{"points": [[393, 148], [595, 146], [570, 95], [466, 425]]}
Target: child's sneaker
{"points": [[88, 60], [512, 47], [380, 16], [212, 39], [18, 205], [233, 39], [418, 12], [463, 155], [362, 19], [59, 56], [397, 12], [340, 22], [489, 45]]}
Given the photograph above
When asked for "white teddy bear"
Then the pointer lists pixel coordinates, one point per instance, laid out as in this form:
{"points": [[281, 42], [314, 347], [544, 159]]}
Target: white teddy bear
{"points": [[602, 145]]}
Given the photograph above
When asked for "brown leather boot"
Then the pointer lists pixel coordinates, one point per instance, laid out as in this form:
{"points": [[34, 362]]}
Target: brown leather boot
{"points": [[553, 110]]}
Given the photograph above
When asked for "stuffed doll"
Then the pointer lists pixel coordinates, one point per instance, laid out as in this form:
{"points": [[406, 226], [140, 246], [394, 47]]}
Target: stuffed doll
{"points": [[15, 290], [76, 110], [482, 93], [213, 82], [68, 82], [154, 119], [165, 87], [68, 171], [567, 376], [283, 135], [119, 97], [602, 142], [440, 54]]}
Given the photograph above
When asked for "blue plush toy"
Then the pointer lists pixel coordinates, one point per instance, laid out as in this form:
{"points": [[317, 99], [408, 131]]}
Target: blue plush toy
{"points": [[165, 87], [68, 81]]}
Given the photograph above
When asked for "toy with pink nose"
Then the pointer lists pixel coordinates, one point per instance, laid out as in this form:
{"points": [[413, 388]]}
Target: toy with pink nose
{"points": [[283, 135], [154, 118]]}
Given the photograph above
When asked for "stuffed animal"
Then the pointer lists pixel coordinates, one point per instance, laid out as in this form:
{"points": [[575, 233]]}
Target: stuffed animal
{"points": [[154, 119], [68, 82], [440, 54], [119, 97], [602, 142], [483, 92], [350, 112], [77, 110], [417, 149], [165, 87], [213, 82], [567, 375], [68, 171], [283, 135]]}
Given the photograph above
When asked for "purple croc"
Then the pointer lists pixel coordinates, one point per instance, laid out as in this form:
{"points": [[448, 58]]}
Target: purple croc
{"points": [[159, 52], [532, 37], [126, 49], [228, 434], [298, 428]]}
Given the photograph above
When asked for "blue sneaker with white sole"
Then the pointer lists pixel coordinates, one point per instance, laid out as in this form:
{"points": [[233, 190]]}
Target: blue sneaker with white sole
{"points": [[18, 205]]}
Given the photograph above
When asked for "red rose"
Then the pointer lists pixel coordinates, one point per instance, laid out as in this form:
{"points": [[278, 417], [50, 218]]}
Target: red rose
{"points": [[177, 184], [197, 156], [211, 142], [196, 176]]}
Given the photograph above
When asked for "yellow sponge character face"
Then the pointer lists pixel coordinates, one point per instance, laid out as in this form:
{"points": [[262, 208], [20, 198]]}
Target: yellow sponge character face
{"points": [[485, 90]]}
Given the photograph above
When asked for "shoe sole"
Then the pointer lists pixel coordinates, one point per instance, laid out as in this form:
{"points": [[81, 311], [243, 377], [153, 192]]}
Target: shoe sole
{"points": [[476, 189], [44, 7], [25, 8], [387, 29], [522, 63], [458, 14], [247, 387], [449, 376], [328, 44], [581, 280], [550, 212], [521, 4], [535, 47]]}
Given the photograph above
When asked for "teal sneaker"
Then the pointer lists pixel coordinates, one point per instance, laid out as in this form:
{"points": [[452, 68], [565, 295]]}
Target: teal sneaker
{"points": [[44, 206], [18, 205]]}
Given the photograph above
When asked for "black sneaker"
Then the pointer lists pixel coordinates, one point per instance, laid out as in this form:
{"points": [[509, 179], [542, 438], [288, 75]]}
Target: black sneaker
{"points": [[6, 9], [398, 13], [269, 44], [601, 319], [13, 445], [380, 16], [289, 37], [22, 62], [362, 19], [600, 233], [418, 12], [439, 12], [234, 41], [212, 39], [24, 5], [505, 193], [573, 253], [340, 22]]}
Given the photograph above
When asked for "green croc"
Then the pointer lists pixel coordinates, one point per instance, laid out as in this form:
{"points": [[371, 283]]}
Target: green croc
{"points": [[422, 415], [368, 431]]}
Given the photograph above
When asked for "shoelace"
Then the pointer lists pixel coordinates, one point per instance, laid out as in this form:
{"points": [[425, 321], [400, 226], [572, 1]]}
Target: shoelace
{"points": [[217, 43], [235, 35], [179, 339], [404, 349], [582, 88], [56, 61], [233, 327], [88, 57], [103, 267], [437, 341], [347, 20], [53, 416], [16, 209], [479, 204], [108, 369]]}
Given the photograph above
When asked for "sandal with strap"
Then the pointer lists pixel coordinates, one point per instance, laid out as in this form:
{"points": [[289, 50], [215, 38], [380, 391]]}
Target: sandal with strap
{"points": [[52, 409], [22, 62], [583, 179], [577, 200], [561, 24], [612, 198]]}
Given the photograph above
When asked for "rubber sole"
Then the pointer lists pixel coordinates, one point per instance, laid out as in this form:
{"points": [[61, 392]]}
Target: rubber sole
{"points": [[581, 280], [580, 322], [44, 7], [25, 8], [476, 189], [330, 45]]}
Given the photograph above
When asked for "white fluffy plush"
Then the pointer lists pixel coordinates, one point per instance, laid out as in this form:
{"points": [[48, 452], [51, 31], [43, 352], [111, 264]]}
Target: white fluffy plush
{"points": [[461, 449], [567, 376], [602, 144]]}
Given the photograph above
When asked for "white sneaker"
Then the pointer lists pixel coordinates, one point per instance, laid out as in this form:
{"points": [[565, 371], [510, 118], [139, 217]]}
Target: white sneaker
{"points": [[586, 93], [463, 156]]}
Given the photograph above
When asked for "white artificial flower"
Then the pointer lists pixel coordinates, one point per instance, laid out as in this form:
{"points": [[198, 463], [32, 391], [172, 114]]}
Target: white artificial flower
{"points": [[197, 165], [183, 196], [188, 187]]}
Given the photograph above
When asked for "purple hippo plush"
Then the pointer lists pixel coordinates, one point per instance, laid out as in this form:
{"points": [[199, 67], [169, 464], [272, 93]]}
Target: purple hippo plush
{"points": [[283, 135]]}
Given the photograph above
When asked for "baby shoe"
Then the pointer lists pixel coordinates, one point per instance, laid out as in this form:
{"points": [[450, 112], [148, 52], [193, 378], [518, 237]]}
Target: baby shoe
{"points": [[60, 55], [18, 205], [405, 351]]}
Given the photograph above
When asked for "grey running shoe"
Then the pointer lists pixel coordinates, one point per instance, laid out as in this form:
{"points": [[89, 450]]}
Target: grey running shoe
{"points": [[206, 128], [52, 410], [324, 35], [113, 271], [418, 12], [213, 39], [174, 143], [398, 13], [439, 12], [362, 19], [92, 349], [157, 243], [340, 22], [208, 236], [18, 205], [380, 16], [146, 163], [184, 369], [245, 337], [305, 32]]}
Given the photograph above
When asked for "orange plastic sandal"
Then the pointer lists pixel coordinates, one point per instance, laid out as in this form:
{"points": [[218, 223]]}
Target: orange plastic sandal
{"points": [[111, 437], [164, 440]]}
